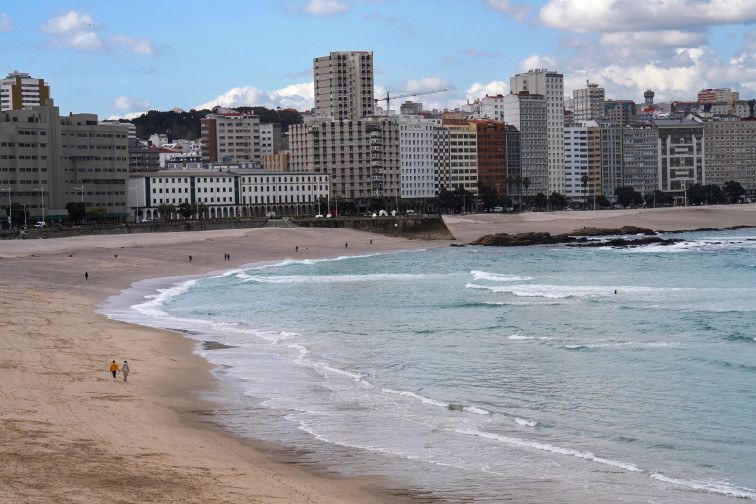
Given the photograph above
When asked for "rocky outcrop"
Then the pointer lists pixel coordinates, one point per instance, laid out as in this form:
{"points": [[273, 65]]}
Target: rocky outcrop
{"points": [[578, 238]]}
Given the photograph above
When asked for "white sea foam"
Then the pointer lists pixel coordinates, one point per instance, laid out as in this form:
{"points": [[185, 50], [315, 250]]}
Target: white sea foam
{"points": [[525, 423], [717, 487], [497, 277], [331, 279], [523, 443], [519, 337]]}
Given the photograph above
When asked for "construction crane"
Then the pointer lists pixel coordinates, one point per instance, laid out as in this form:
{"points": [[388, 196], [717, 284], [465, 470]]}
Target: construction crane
{"points": [[390, 97]]}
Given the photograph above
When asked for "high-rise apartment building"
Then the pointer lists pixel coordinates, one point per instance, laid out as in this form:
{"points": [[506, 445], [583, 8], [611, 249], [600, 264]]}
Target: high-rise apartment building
{"points": [[492, 154], [20, 91], [730, 153], [621, 111], [640, 158], [344, 85], [47, 161], [719, 95], [416, 157], [681, 155], [463, 154], [576, 163], [361, 157], [551, 86], [528, 113], [231, 137], [588, 103], [611, 157]]}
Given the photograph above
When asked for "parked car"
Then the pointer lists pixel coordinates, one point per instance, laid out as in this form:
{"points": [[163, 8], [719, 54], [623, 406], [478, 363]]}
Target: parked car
{"points": [[40, 224]]}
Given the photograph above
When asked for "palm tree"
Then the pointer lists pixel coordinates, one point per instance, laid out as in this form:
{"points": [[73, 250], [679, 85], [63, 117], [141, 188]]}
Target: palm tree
{"points": [[584, 180], [526, 183], [517, 181]]}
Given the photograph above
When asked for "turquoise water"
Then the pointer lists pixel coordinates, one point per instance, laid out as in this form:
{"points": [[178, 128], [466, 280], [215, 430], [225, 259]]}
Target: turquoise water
{"points": [[493, 374]]}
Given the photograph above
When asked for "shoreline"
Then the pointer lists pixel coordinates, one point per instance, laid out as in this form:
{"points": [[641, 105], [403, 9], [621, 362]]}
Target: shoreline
{"points": [[65, 418]]}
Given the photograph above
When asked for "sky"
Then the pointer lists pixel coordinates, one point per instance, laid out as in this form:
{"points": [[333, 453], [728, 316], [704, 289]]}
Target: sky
{"points": [[120, 58]]}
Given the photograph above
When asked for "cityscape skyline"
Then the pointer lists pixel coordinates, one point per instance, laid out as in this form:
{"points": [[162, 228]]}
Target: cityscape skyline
{"points": [[119, 60]]}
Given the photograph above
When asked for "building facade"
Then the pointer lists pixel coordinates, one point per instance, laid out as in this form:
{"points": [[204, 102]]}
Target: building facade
{"points": [[621, 111], [344, 85], [463, 154], [47, 161], [232, 193], [681, 156], [551, 86], [730, 152], [640, 158], [527, 112], [492, 154], [231, 138], [719, 95], [416, 157], [588, 103], [20, 91], [576, 163]]}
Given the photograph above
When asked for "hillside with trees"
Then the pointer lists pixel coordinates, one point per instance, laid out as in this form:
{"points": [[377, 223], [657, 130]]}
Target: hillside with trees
{"points": [[186, 125]]}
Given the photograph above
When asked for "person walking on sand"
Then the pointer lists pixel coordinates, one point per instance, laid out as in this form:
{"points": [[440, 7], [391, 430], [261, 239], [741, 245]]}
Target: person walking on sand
{"points": [[86, 275], [114, 369], [190, 258], [125, 370], [346, 245]]}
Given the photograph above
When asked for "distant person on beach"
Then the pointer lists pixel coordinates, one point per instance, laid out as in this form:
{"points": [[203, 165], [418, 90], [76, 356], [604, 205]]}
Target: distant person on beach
{"points": [[296, 249], [86, 275], [371, 241], [346, 245], [190, 258], [114, 369], [125, 370]]}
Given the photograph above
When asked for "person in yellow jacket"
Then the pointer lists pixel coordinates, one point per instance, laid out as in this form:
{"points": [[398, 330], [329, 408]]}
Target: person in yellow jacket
{"points": [[114, 369]]}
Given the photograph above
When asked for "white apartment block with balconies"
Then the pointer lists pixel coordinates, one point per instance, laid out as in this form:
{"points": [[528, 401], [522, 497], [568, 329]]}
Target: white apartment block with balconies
{"points": [[417, 156]]}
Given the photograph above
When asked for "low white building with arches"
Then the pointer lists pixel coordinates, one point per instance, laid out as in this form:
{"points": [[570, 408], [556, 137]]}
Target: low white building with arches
{"points": [[230, 193]]}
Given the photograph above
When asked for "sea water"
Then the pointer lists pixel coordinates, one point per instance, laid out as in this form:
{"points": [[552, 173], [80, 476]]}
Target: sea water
{"points": [[534, 374]]}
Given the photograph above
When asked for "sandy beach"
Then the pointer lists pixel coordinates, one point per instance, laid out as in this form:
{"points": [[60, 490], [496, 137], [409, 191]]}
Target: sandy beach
{"points": [[70, 433]]}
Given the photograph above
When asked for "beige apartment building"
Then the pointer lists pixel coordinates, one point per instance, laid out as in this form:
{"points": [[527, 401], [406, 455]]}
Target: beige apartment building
{"points": [[344, 85], [47, 161], [360, 157], [730, 152], [20, 91], [231, 137]]}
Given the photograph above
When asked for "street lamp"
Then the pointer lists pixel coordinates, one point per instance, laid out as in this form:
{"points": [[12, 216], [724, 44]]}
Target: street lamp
{"points": [[82, 192], [10, 220], [42, 197], [136, 214]]}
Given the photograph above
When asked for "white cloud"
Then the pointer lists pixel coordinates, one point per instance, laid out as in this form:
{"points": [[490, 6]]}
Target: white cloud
{"points": [[479, 90], [515, 10], [593, 16], [137, 46], [69, 23], [6, 24], [672, 38], [297, 96], [82, 41], [537, 61], [326, 8], [130, 103], [749, 41], [426, 84]]}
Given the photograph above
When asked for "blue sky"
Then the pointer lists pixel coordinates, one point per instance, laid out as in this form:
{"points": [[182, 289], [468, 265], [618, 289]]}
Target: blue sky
{"points": [[123, 57]]}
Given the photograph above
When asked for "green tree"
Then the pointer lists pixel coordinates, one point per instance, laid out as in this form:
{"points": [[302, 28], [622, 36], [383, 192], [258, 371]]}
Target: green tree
{"points": [[558, 201], [376, 203], [603, 202], [76, 211], [695, 194], [658, 198], [625, 195], [638, 199], [714, 194], [185, 210], [515, 180], [200, 209], [733, 191], [488, 195], [19, 215], [166, 210], [541, 201], [404, 204], [97, 213], [526, 183]]}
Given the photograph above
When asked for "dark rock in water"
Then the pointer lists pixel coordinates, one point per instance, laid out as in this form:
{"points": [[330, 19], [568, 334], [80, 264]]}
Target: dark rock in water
{"points": [[622, 242], [456, 407], [578, 238], [214, 345]]}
